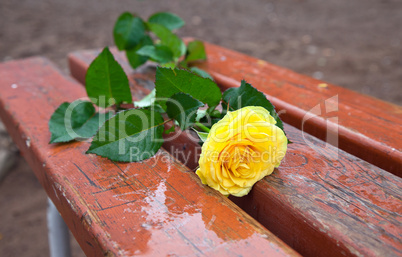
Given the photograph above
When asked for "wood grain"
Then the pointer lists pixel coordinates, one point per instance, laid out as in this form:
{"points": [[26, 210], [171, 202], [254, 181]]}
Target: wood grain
{"points": [[321, 201], [366, 127], [152, 208]]}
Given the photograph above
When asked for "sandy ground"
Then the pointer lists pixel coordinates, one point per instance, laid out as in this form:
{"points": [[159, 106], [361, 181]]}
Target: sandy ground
{"points": [[355, 44]]}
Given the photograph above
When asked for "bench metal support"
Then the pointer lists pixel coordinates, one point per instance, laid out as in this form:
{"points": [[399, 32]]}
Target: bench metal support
{"points": [[58, 233]]}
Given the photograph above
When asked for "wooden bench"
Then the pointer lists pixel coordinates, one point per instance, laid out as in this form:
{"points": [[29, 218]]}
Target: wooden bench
{"points": [[321, 203], [325, 202], [361, 125], [156, 207], [366, 127]]}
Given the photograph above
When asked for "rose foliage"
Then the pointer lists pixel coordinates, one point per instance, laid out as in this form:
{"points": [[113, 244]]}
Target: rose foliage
{"points": [[244, 137]]}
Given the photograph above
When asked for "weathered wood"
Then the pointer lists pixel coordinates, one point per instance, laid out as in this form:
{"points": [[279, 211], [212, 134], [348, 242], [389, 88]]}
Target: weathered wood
{"points": [[364, 126], [322, 201], [153, 208]]}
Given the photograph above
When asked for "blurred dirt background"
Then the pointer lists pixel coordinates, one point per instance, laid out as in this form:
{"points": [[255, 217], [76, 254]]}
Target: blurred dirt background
{"points": [[354, 44]]}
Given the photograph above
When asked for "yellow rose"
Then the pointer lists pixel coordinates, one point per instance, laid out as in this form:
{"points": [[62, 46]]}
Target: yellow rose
{"points": [[241, 149]]}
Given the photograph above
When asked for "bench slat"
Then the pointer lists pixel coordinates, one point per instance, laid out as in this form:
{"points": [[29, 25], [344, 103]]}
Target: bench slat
{"points": [[368, 128], [155, 207], [321, 205]]}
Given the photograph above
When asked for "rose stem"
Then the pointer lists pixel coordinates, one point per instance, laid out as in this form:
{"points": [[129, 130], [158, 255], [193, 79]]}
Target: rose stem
{"points": [[204, 128]]}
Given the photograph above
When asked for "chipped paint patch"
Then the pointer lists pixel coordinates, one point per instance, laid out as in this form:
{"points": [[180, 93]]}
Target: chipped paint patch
{"points": [[28, 142]]}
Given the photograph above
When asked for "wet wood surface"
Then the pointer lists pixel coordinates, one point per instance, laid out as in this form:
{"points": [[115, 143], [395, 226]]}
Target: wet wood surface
{"points": [[321, 201], [367, 127], [152, 208], [361, 125]]}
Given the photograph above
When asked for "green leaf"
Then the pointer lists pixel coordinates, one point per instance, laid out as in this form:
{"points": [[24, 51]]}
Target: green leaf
{"points": [[183, 65], [200, 114], [146, 101], [158, 53], [105, 81], [135, 59], [149, 102], [195, 51], [130, 136], [167, 19], [170, 65], [168, 39], [169, 82], [170, 130], [183, 108], [202, 135], [128, 31], [76, 120], [216, 114], [247, 95], [208, 118], [201, 73]]}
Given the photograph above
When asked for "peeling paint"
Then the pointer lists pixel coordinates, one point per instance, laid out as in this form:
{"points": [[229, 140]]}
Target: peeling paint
{"points": [[28, 142]]}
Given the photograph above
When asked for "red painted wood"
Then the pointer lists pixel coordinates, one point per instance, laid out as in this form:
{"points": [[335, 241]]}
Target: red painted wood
{"points": [[322, 201], [152, 208], [367, 127]]}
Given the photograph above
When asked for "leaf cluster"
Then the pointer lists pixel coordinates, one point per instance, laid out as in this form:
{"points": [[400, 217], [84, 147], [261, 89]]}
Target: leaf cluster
{"points": [[186, 96], [134, 36]]}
